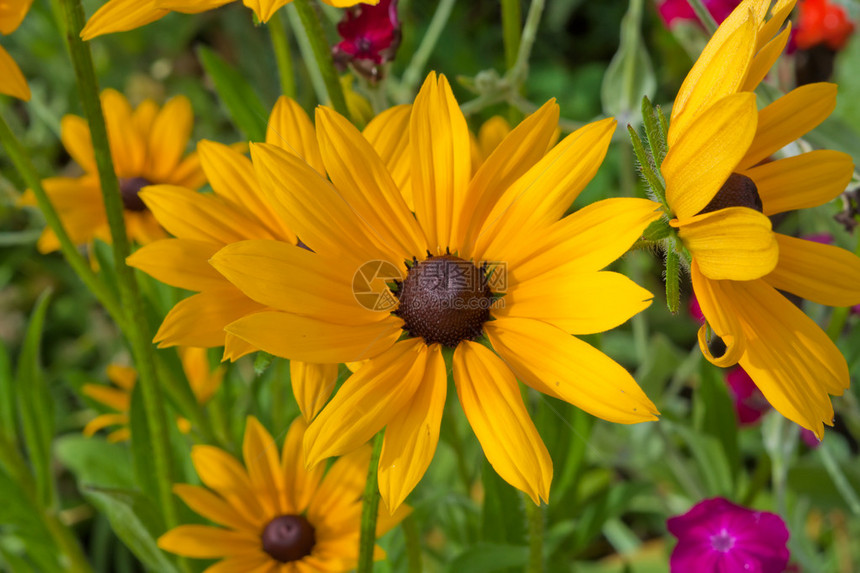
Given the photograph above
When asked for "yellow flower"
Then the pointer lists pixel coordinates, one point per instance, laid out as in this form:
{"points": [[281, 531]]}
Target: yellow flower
{"points": [[12, 12], [362, 234], [124, 15], [203, 380], [148, 147], [277, 516], [722, 186]]}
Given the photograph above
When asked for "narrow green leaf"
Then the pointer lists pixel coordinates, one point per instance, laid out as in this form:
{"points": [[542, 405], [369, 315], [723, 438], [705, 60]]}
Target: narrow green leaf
{"points": [[503, 516], [715, 415], [646, 165], [242, 102], [94, 461], [711, 461], [8, 427], [673, 278], [489, 557], [141, 454]]}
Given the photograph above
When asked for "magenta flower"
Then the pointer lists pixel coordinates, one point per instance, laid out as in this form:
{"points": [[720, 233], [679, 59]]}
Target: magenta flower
{"points": [[672, 10], [371, 36], [717, 536], [750, 404]]}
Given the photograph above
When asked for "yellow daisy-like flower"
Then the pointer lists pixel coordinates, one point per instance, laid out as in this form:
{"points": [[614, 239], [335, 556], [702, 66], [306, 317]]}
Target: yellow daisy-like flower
{"points": [[203, 380], [124, 15], [470, 240], [148, 147], [722, 186], [12, 13], [278, 517]]}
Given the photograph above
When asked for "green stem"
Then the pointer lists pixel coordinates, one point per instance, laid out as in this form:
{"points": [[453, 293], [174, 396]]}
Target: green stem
{"points": [[413, 545], [517, 74], [512, 22], [535, 515], [136, 329], [25, 168], [415, 70], [704, 16], [839, 479], [307, 51], [322, 54], [283, 57], [370, 510], [68, 544]]}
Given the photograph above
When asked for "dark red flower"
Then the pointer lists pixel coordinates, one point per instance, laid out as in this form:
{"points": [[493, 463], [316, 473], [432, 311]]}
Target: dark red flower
{"points": [[371, 35], [822, 22]]}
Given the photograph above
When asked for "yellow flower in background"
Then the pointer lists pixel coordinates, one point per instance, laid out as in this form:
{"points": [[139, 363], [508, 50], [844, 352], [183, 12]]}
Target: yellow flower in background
{"points": [[124, 15], [490, 135], [12, 13], [204, 382], [148, 147], [276, 515], [332, 303], [722, 186]]}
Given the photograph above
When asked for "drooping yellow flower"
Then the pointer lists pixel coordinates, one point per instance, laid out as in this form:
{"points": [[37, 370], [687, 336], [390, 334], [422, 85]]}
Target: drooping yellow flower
{"points": [[12, 13], [124, 15], [276, 515], [722, 186], [204, 382], [237, 210], [148, 147], [471, 240]]}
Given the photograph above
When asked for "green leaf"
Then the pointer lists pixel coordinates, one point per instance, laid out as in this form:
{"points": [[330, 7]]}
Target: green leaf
{"points": [[34, 404], [134, 520], [488, 557], [141, 455], [94, 461], [8, 427], [711, 461], [242, 102], [503, 517], [715, 415]]}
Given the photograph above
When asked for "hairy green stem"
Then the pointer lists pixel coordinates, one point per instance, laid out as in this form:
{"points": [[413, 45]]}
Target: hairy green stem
{"points": [[322, 54], [283, 57], [517, 74], [25, 168], [370, 510], [136, 330], [512, 22], [415, 70], [535, 515]]}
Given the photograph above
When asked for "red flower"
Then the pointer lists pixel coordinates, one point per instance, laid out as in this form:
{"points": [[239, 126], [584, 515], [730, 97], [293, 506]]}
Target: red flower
{"points": [[371, 35], [822, 22]]}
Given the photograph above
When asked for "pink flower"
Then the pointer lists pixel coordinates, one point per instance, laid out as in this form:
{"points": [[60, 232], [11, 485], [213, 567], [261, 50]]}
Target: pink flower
{"points": [[672, 10], [750, 404], [717, 536], [371, 36]]}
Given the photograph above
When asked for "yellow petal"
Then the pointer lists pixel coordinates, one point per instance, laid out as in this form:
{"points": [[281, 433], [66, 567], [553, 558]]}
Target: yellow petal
{"points": [[313, 340], [734, 243], [291, 129], [235, 348], [265, 8], [363, 181], [698, 164], [718, 308], [222, 473], [348, 3], [200, 320], [103, 421], [312, 385], [12, 14], [719, 72], [576, 302], [144, 117], [765, 59], [188, 173], [491, 399], [261, 459], [204, 542], [119, 400], [512, 157], [441, 164], [542, 195], [587, 240], [492, 133], [14, 83], [802, 181], [203, 379], [367, 401], [121, 435], [413, 433], [169, 137], [179, 262], [781, 11], [75, 133], [300, 484], [555, 363], [123, 376], [788, 118], [121, 16], [190, 6], [259, 562], [212, 507], [821, 273], [336, 505], [295, 280], [388, 133], [127, 146]]}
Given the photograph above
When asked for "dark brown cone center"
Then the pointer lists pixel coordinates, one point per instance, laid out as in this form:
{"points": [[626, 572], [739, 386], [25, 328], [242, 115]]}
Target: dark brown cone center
{"points": [[129, 188], [288, 538], [446, 300], [738, 191]]}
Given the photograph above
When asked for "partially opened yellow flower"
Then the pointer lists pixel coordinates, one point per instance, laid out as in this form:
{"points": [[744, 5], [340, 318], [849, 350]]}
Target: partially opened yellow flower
{"points": [[276, 516], [481, 255], [722, 186], [148, 147], [124, 15], [12, 13], [204, 382]]}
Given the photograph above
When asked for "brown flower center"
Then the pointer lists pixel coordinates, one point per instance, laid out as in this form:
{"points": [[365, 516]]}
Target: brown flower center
{"points": [[445, 299], [288, 538], [738, 191], [129, 187]]}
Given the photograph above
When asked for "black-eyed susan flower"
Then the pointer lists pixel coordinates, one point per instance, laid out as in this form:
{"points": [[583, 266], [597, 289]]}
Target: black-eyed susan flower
{"points": [[722, 186], [237, 210], [124, 15], [204, 382], [148, 147], [490, 254], [12, 13], [274, 514]]}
